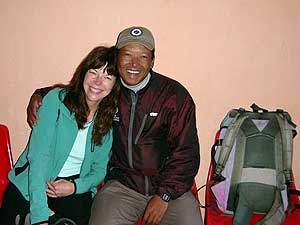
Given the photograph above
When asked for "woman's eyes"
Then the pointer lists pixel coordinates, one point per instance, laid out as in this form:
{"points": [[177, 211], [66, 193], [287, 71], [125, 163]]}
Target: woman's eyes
{"points": [[93, 72]]}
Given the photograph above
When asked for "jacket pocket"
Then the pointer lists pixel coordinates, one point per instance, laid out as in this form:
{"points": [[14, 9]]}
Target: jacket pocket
{"points": [[141, 129]]}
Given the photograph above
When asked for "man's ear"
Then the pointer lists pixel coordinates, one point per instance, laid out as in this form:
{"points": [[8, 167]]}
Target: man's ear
{"points": [[152, 63]]}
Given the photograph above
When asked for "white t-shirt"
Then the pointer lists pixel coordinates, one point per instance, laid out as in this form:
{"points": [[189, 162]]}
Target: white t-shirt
{"points": [[74, 161]]}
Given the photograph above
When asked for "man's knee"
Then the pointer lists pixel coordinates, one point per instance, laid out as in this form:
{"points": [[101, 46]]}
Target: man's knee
{"points": [[183, 211], [116, 204]]}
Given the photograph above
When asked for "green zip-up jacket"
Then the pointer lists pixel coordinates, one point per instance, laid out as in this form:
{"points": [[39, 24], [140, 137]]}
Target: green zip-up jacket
{"points": [[48, 148]]}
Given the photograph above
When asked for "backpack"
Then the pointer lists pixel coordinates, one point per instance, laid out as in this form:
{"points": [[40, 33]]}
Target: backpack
{"points": [[252, 165]]}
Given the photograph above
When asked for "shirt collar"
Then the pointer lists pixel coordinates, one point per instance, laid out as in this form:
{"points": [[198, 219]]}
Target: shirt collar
{"points": [[139, 86]]}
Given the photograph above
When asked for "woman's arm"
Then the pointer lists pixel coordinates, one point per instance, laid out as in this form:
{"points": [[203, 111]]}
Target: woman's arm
{"points": [[40, 157]]}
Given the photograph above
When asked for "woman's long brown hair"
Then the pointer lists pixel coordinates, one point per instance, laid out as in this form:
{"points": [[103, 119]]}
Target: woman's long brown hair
{"points": [[75, 99]]}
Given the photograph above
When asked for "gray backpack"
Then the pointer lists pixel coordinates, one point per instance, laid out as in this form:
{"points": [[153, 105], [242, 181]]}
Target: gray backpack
{"points": [[252, 165]]}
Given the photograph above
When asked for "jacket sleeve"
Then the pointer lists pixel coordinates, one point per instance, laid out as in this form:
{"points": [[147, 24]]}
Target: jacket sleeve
{"points": [[98, 166], [182, 164], [39, 157]]}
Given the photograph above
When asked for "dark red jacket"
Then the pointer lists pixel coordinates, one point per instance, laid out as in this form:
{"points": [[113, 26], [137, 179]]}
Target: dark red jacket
{"points": [[155, 146]]}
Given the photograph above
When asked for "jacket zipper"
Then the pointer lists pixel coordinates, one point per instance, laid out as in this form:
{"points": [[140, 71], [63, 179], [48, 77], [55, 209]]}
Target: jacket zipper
{"points": [[146, 185], [130, 129], [134, 98]]}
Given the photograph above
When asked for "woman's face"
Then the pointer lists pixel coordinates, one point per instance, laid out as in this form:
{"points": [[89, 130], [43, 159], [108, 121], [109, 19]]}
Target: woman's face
{"points": [[97, 85]]}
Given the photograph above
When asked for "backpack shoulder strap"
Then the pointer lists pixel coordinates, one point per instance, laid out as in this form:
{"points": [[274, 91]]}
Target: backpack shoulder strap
{"points": [[277, 214], [235, 119], [286, 128]]}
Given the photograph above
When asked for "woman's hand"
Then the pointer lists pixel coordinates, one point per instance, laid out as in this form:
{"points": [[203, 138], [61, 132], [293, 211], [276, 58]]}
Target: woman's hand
{"points": [[59, 188]]}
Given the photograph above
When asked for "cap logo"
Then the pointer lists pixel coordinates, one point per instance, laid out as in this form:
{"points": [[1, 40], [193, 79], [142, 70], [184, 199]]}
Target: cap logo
{"points": [[136, 32]]}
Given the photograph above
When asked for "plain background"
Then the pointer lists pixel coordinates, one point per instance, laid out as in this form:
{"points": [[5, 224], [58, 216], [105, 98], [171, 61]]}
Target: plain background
{"points": [[227, 53]]}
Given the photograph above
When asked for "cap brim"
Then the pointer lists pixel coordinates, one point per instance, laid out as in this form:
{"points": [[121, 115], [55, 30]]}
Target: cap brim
{"points": [[123, 44]]}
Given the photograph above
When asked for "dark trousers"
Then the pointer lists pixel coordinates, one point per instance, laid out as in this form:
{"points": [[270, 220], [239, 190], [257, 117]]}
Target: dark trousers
{"points": [[76, 207]]}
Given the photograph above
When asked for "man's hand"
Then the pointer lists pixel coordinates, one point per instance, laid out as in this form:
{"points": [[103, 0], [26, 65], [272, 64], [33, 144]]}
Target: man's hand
{"points": [[59, 188], [34, 103], [155, 210]]}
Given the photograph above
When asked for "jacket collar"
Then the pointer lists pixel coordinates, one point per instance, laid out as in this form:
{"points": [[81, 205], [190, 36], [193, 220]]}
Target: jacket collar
{"points": [[151, 76]]}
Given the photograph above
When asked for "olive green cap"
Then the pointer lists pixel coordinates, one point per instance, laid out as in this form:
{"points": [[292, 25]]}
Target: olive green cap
{"points": [[136, 35]]}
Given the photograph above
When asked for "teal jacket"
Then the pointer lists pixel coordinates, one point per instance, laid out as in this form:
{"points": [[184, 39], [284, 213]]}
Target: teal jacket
{"points": [[49, 145]]}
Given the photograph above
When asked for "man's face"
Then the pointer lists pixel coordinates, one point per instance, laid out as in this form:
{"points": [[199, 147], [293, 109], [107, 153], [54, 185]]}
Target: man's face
{"points": [[134, 63]]}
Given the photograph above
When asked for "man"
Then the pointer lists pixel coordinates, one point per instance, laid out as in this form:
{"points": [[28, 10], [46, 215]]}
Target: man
{"points": [[155, 152]]}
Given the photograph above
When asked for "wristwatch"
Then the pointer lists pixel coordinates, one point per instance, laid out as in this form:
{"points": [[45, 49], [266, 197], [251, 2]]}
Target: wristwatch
{"points": [[164, 196]]}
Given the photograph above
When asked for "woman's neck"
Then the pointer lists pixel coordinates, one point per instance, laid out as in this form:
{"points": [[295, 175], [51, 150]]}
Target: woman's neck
{"points": [[91, 114]]}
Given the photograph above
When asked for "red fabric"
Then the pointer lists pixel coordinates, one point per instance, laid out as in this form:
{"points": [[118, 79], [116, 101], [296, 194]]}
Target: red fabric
{"points": [[217, 218], [5, 159]]}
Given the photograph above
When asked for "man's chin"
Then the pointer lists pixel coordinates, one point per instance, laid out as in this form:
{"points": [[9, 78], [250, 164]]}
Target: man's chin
{"points": [[131, 81]]}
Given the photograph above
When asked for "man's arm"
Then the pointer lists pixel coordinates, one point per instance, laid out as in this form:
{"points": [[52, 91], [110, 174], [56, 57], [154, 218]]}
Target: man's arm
{"points": [[182, 164], [34, 103]]}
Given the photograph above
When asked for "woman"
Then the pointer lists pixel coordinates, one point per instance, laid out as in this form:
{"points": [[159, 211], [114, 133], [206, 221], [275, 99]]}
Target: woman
{"points": [[68, 150]]}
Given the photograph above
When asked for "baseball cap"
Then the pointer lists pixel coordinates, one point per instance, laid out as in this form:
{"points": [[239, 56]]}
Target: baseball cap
{"points": [[136, 35]]}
